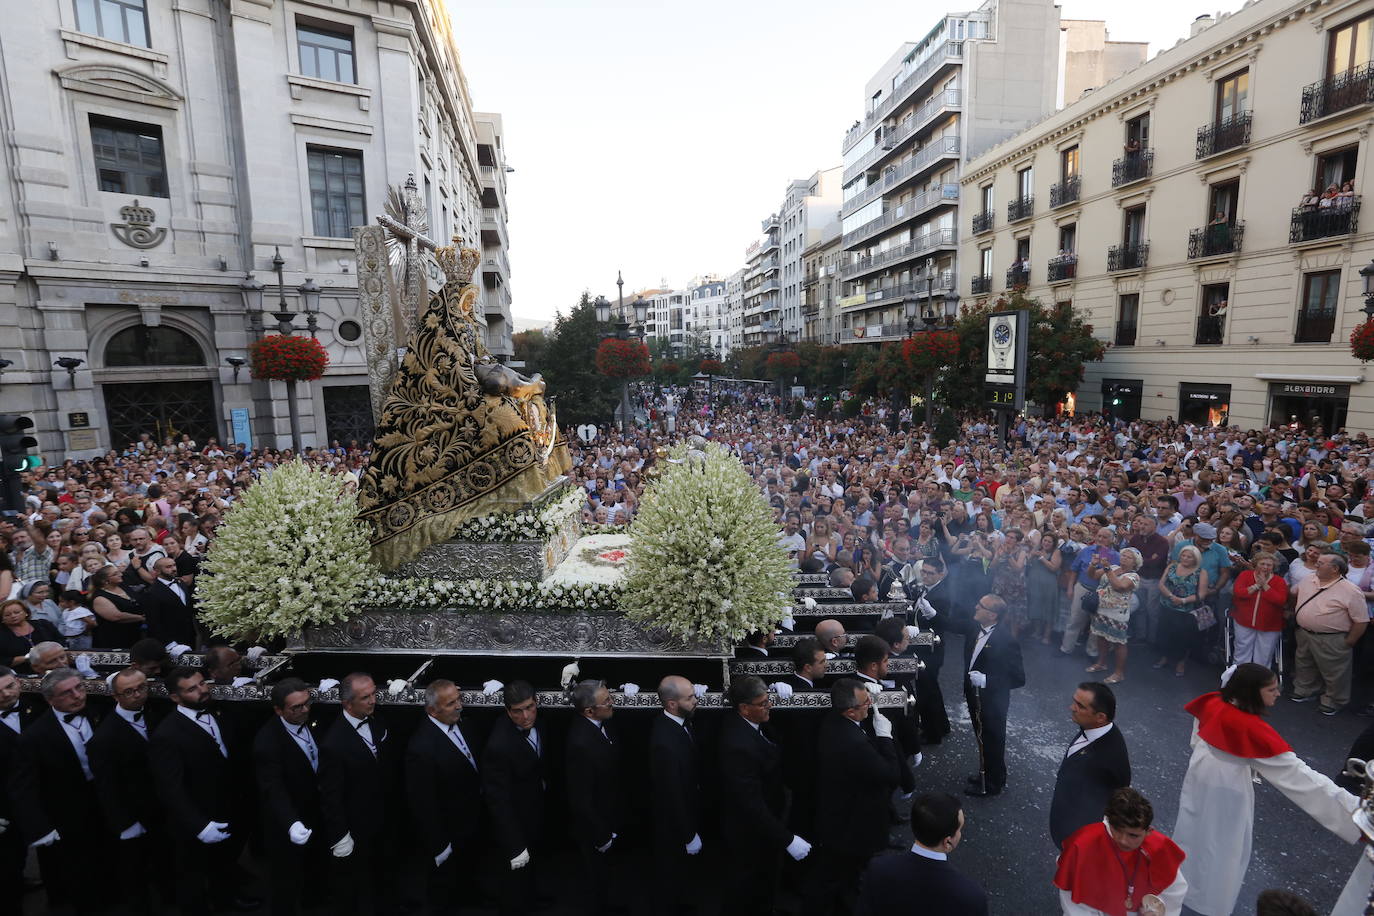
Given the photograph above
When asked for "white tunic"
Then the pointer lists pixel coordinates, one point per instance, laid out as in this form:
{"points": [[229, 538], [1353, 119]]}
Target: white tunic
{"points": [[1216, 817]]}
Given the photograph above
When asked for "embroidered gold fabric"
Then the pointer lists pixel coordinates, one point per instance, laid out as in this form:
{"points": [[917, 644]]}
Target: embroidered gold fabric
{"points": [[446, 450]]}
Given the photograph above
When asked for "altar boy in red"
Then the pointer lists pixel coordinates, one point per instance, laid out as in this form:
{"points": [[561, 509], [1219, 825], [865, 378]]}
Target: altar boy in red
{"points": [[1120, 867]]}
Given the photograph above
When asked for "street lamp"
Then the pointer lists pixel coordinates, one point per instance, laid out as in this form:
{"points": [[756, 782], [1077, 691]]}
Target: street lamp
{"points": [[309, 294], [1367, 274], [71, 364], [622, 332]]}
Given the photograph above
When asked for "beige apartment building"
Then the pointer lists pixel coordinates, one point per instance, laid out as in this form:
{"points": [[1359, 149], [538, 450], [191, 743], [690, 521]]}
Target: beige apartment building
{"points": [[1172, 207], [821, 285]]}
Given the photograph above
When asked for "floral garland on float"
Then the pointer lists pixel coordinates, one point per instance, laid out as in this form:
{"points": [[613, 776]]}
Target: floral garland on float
{"points": [[524, 526], [488, 595]]}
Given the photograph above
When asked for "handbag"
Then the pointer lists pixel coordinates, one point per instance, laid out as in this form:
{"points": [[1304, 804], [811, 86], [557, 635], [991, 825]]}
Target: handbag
{"points": [[1090, 603], [1204, 617]]}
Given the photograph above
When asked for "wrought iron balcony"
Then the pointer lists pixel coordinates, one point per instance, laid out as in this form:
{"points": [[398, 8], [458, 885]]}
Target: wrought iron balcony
{"points": [[1064, 267], [981, 285], [1210, 330], [1210, 241], [1128, 256], [1066, 191], [1311, 223], [1021, 208], [982, 222], [1125, 333], [1315, 326], [1223, 135], [1018, 276], [1347, 89], [1133, 167]]}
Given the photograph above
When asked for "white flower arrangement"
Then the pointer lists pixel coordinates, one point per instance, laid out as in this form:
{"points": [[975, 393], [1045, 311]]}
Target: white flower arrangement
{"points": [[704, 558], [291, 552], [584, 565], [488, 595], [524, 526], [594, 528]]}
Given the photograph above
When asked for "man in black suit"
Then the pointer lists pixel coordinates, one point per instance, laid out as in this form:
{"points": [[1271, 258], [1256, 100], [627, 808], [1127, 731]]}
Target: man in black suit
{"points": [[358, 780], [675, 768], [755, 645], [194, 760], [992, 670], [833, 639], [860, 771], [934, 608], [808, 665], [286, 759], [1095, 765], [924, 874], [52, 790], [167, 605], [753, 805], [514, 785], [796, 731], [444, 794], [128, 800], [872, 655], [17, 713], [594, 787]]}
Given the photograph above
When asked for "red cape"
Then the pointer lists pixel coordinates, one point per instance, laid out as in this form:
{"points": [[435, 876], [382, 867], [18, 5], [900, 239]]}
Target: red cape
{"points": [[1228, 729], [1089, 868]]}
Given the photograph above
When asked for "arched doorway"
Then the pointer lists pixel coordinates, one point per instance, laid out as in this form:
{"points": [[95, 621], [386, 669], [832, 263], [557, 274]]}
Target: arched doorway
{"points": [[161, 408]]}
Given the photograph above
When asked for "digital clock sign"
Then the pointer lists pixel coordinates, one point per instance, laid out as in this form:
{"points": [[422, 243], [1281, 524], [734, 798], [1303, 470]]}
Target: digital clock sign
{"points": [[1000, 396], [1004, 376]]}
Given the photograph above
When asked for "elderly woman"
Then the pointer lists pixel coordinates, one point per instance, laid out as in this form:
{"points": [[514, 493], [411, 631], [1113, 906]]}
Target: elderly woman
{"points": [[19, 634], [1260, 595], [1115, 598], [37, 596], [1180, 593]]}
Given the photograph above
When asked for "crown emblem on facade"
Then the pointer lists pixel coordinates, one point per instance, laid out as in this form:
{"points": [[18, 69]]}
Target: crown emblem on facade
{"points": [[137, 229]]}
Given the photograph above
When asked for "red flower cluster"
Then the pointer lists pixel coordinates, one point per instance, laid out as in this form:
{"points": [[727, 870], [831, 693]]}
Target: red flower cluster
{"points": [[711, 367], [283, 358], [1362, 342], [622, 358], [783, 363], [931, 350], [669, 368]]}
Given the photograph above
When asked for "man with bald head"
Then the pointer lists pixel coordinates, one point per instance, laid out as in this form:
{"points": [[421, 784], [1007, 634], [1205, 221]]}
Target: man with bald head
{"points": [[167, 604], [830, 634], [675, 767]]}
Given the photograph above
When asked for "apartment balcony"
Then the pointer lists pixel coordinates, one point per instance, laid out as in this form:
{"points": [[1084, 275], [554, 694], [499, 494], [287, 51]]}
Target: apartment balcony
{"points": [[1324, 222], [936, 150], [770, 224], [1125, 333], [982, 222], [1211, 330], [917, 247], [951, 53], [1128, 256], [872, 332], [1066, 191], [1021, 208], [1213, 241], [810, 280], [1349, 89], [920, 288], [981, 285], [494, 228], [910, 209], [494, 262], [1216, 138], [1018, 276], [769, 242], [1133, 167], [1062, 268], [1315, 326], [764, 266], [891, 137]]}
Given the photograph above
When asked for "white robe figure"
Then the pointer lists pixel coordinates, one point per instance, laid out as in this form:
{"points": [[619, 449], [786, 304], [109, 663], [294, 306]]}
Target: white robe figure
{"points": [[1216, 811]]}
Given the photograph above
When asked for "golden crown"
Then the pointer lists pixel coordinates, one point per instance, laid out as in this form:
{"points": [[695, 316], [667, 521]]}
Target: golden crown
{"points": [[459, 263]]}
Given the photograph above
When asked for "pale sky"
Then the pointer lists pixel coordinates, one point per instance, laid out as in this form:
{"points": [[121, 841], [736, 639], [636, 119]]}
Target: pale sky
{"points": [[653, 137]]}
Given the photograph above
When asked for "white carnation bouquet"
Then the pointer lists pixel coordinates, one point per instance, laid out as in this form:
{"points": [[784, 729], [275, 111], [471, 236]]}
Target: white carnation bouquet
{"points": [[524, 526], [488, 595]]}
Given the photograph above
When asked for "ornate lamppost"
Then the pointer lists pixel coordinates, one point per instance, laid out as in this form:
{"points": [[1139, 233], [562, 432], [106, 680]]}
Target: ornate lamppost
{"points": [[309, 293], [622, 332]]}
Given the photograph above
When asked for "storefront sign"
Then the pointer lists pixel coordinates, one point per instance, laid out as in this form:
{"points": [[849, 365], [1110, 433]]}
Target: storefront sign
{"points": [[1301, 390], [238, 422]]}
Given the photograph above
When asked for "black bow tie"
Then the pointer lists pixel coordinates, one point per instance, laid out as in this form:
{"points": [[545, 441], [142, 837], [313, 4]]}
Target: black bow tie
{"points": [[70, 717], [985, 632], [138, 716], [366, 720], [12, 711], [202, 715]]}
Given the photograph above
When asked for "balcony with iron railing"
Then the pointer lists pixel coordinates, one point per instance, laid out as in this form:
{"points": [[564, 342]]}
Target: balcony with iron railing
{"points": [[769, 242], [1211, 330], [982, 222], [1311, 223], [912, 289], [1220, 136], [1125, 333], [1018, 276], [1315, 325], [909, 209], [1215, 240], [931, 241], [1065, 191], [942, 148], [1133, 167], [1021, 208], [1062, 268], [1128, 256], [891, 137], [873, 332], [952, 52], [1347, 89], [980, 285]]}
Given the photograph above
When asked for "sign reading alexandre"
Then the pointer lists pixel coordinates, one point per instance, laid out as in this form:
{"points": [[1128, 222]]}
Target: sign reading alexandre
{"points": [[1303, 390]]}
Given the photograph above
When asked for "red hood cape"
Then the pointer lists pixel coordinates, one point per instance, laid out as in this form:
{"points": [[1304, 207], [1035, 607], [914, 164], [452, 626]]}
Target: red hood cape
{"points": [[1090, 870], [1229, 729]]}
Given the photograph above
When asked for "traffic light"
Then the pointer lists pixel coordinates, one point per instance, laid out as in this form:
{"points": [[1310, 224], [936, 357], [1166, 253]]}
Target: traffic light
{"points": [[15, 443]]}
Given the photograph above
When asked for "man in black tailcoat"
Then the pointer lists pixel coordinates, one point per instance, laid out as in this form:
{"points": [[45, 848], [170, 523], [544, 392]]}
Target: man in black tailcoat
{"points": [[514, 787], [924, 874], [596, 807], [675, 768], [167, 606], [286, 760], [17, 712], [992, 670], [934, 606], [1095, 764]]}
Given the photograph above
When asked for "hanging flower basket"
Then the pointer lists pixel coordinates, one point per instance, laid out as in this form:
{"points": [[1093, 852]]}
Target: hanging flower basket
{"points": [[285, 358], [784, 363], [1362, 341], [930, 351], [622, 358], [711, 367]]}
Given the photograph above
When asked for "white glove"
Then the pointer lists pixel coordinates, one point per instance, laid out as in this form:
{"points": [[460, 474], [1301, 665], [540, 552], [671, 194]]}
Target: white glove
{"points": [[394, 688], [887, 614], [699, 690], [328, 684], [570, 673], [4, 825], [798, 848], [608, 844], [51, 837], [83, 665], [783, 690], [913, 632], [830, 656], [491, 686], [809, 603], [213, 832], [630, 690], [132, 832], [176, 649], [299, 833], [241, 682], [978, 679], [255, 653], [344, 848], [521, 860], [873, 688], [926, 610], [916, 761], [694, 846], [882, 725], [788, 622], [442, 857]]}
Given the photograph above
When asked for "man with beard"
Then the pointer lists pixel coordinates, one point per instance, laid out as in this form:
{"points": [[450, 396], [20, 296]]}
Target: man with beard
{"points": [[675, 767]]}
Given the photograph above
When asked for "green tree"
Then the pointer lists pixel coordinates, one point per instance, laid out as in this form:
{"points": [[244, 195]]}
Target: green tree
{"points": [[529, 348], [569, 366]]}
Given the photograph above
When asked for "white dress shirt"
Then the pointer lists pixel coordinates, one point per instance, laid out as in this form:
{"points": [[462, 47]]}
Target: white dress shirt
{"points": [[78, 731], [364, 730], [305, 741], [455, 734], [136, 719], [176, 588], [1087, 736], [10, 717], [920, 850], [983, 637], [207, 723]]}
